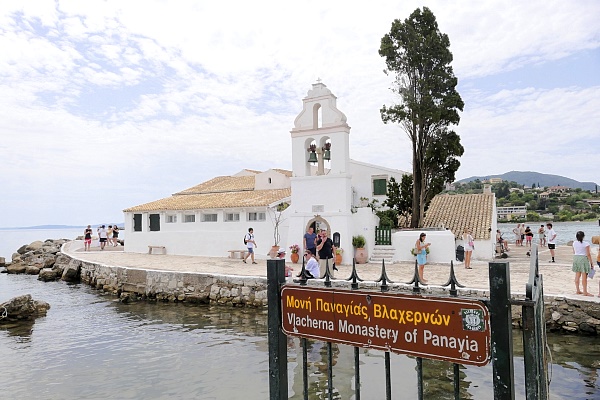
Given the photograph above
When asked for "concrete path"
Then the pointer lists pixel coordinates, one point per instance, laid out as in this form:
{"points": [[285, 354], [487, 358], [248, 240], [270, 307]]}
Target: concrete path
{"points": [[558, 277]]}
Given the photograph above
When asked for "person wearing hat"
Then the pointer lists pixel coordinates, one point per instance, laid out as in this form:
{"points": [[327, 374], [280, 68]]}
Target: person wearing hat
{"points": [[281, 254]]}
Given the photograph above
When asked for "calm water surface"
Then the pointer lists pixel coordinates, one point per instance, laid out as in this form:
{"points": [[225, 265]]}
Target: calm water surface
{"points": [[91, 347]]}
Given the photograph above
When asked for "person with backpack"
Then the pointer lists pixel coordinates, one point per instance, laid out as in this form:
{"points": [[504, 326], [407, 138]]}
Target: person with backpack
{"points": [[250, 244]]}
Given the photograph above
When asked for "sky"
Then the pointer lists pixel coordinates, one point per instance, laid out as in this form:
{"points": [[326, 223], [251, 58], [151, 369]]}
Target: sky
{"points": [[109, 104]]}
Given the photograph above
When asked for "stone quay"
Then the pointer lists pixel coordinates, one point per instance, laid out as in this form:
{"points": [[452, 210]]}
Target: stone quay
{"points": [[215, 280]]}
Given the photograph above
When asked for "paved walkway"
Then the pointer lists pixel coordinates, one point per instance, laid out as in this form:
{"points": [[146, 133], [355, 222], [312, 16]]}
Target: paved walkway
{"points": [[558, 277]]}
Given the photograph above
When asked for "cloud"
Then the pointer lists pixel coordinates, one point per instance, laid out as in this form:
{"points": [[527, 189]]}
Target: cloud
{"points": [[101, 102]]}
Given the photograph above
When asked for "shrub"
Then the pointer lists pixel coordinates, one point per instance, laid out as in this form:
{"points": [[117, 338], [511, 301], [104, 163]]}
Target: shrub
{"points": [[358, 241]]}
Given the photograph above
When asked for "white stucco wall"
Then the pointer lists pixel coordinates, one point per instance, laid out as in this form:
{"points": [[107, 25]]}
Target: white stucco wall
{"points": [[442, 248], [362, 179], [203, 238]]}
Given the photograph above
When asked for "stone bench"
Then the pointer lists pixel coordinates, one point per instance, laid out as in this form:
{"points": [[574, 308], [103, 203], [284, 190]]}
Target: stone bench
{"points": [[162, 248], [233, 253]]}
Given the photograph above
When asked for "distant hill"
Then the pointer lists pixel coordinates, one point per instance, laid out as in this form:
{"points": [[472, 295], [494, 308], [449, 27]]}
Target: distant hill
{"points": [[528, 178]]}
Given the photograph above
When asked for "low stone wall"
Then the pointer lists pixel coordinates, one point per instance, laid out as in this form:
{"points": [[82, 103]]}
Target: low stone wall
{"points": [[137, 284], [562, 314]]}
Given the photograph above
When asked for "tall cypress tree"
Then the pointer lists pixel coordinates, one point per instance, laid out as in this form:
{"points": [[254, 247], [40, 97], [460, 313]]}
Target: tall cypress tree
{"points": [[418, 54]]}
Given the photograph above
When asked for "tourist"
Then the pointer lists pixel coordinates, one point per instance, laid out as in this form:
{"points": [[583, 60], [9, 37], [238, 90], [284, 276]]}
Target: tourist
{"points": [[528, 236], [501, 241], [326, 250], [582, 262], [102, 236], [250, 244], [522, 233], [517, 232], [542, 235], [551, 238], [109, 236], [469, 246], [281, 255], [115, 236], [310, 240], [87, 238], [312, 266], [422, 247]]}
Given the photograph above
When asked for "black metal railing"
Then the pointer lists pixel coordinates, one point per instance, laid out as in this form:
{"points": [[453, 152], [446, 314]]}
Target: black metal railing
{"points": [[500, 325]]}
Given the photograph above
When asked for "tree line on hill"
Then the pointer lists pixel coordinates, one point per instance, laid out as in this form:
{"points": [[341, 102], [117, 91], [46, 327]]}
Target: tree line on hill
{"points": [[567, 205]]}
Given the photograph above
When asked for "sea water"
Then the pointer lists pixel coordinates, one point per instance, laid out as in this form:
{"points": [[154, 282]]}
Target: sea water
{"points": [[90, 346]]}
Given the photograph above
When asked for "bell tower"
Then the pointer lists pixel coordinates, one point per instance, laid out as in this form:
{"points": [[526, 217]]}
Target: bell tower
{"points": [[320, 126], [321, 181]]}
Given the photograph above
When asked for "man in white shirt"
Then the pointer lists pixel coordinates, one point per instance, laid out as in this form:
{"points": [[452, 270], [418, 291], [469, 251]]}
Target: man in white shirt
{"points": [[551, 237], [103, 236], [312, 265], [250, 244]]}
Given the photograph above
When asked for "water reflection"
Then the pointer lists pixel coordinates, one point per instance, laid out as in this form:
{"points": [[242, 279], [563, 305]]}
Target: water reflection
{"points": [[90, 346]]}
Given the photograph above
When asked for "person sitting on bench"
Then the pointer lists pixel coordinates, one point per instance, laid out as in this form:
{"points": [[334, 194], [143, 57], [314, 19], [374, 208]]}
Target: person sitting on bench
{"points": [[501, 241]]}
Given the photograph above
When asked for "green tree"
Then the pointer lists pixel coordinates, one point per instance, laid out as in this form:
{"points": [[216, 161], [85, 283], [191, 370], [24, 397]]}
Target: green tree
{"points": [[399, 195], [418, 54], [501, 189]]}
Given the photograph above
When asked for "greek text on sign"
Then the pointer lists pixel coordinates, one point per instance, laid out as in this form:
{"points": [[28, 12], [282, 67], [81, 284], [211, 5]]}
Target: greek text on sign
{"points": [[450, 329]]}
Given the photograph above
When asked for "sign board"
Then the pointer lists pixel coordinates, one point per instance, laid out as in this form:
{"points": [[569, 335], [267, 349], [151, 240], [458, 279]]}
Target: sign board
{"points": [[442, 328]]}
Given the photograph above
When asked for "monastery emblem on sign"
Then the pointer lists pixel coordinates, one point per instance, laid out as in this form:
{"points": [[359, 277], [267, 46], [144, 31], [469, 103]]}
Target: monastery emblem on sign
{"points": [[472, 319]]}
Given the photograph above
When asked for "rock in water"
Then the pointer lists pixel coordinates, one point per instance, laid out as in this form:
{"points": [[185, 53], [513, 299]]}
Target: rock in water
{"points": [[22, 308]]}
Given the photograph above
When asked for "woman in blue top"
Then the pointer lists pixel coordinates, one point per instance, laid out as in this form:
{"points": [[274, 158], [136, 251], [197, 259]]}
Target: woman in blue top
{"points": [[421, 247]]}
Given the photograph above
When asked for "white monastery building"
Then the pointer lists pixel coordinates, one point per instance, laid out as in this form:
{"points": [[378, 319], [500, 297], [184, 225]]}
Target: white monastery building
{"points": [[325, 190], [211, 218]]}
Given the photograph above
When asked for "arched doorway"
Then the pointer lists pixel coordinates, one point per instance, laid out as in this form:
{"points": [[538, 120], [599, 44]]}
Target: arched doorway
{"points": [[318, 223]]}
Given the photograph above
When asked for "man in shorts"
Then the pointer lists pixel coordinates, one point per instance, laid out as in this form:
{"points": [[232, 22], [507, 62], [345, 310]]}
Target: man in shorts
{"points": [[250, 244], [551, 237], [103, 236]]}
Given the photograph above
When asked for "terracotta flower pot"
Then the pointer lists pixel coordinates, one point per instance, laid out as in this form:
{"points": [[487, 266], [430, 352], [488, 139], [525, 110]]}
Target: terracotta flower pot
{"points": [[338, 259], [294, 257], [273, 252], [361, 255]]}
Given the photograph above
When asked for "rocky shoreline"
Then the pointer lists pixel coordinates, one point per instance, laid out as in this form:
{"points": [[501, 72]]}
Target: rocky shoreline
{"points": [[46, 260]]}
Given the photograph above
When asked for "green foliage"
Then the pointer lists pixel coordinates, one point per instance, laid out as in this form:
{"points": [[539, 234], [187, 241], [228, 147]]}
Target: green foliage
{"points": [[388, 218], [399, 197], [358, 241], [418, 55], [533, 216]]}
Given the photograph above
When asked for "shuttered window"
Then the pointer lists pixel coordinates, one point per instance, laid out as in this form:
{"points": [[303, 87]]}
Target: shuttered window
{"points": [[379, 187], [154, 222], [137, 222]]}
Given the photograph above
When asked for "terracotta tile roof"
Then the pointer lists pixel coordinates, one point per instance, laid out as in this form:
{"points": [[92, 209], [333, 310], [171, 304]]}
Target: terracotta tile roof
{"points": [[460, 211], [253, 198], [222, 184]]}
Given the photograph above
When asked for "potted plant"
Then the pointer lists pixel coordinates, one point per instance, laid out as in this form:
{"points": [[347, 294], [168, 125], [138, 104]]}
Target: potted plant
{"points": [[294, 249], [276, 217], [338, 255], [360, 253]]}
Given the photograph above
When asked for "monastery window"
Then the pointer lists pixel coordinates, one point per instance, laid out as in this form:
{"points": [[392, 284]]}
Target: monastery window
{"points": [[171, 219], [257, 216], [379, 187], [189, 218], [137, 222], [230, 217], [209, 217], [154, 222]]}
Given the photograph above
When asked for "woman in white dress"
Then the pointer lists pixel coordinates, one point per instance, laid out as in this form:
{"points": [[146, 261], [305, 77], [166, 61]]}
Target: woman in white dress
{"points": [[469, 247]]}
